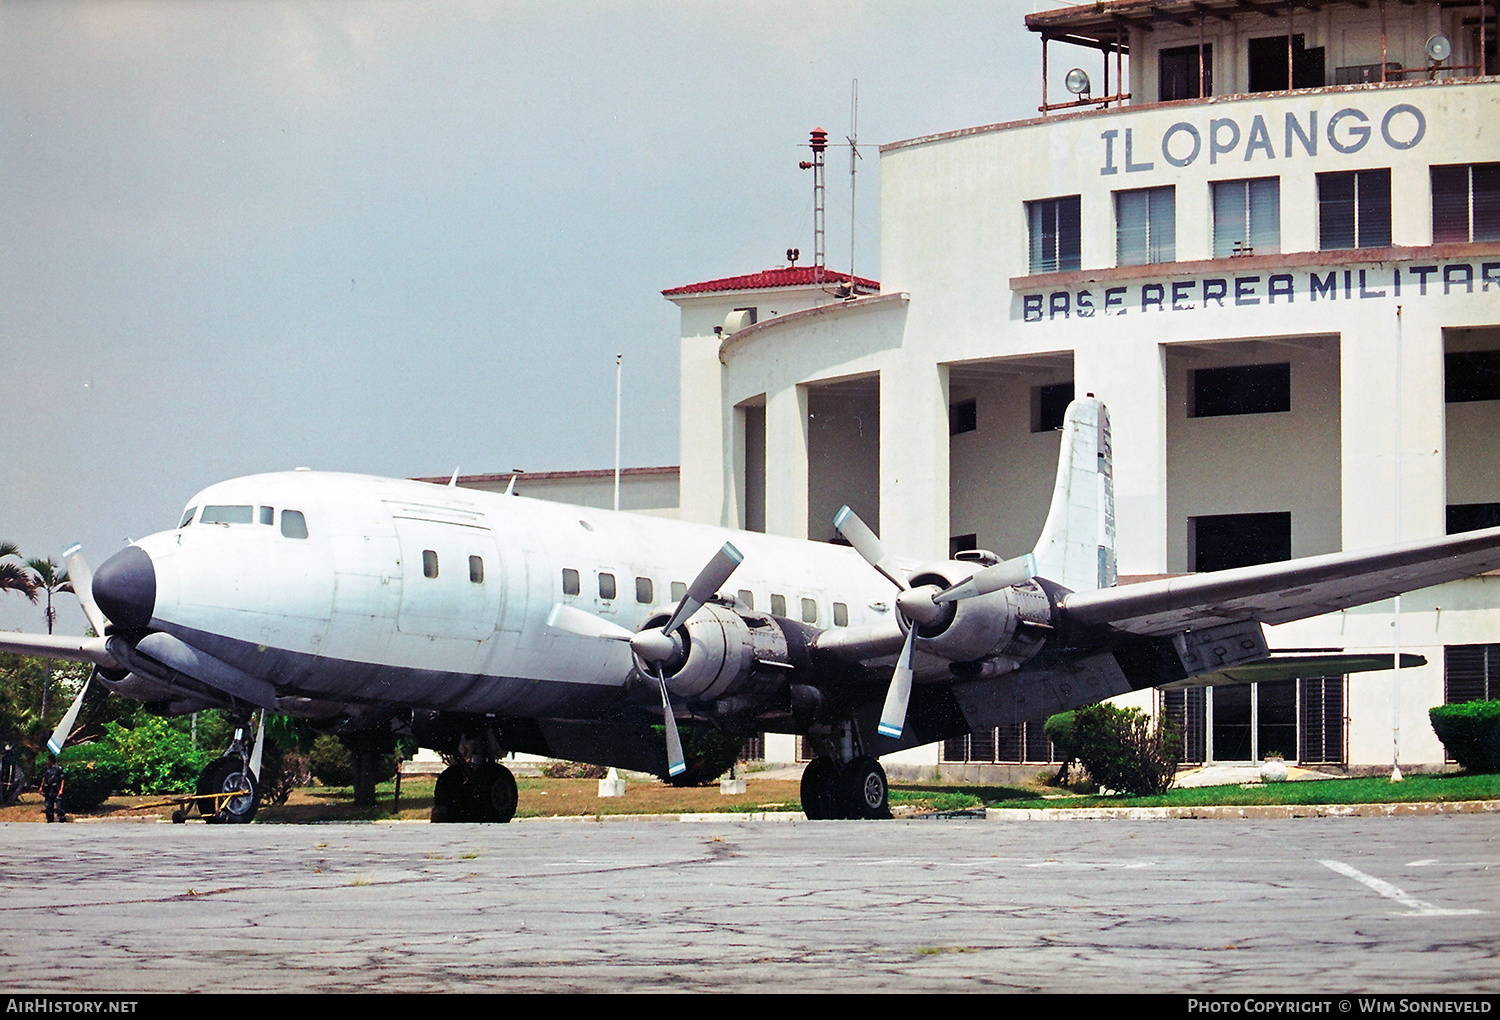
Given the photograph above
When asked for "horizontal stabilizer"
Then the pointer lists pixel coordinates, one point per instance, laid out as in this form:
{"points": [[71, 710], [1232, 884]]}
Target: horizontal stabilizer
{"points": [[1295, 667]]}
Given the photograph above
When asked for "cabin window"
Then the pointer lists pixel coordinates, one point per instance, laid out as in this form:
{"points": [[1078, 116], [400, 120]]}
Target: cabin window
{"points": [[679, 591], [267, 515], [570, 581], [476, 569], [1354, 209], [1145, 226], [1241, 389], [227, 515], [187, 518], [606, 585], [840, 615], [645, 591], [429, 563], [1466, 203], [778, 605], [293, 524], [747, 599], [1247, 217], [1056, 228], [809, 611]]}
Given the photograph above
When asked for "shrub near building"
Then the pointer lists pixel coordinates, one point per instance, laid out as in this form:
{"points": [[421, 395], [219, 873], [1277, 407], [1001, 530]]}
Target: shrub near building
{"points": [[1470, 731]]}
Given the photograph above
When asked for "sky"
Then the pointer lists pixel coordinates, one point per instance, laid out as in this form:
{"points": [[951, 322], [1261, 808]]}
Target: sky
{"points": [[404, 238]]}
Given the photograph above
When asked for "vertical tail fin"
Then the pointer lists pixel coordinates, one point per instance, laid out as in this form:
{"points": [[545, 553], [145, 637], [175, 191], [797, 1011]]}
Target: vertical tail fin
{"points": [[1077, 547]]}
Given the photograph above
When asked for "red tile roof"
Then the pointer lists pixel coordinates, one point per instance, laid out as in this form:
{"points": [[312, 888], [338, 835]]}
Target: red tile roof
{"points": [[790, 276]]}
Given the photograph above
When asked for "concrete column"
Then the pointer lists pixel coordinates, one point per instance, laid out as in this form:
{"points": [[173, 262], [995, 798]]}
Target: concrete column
{"points": [[705, 432], [914, 475], [786, 462]]}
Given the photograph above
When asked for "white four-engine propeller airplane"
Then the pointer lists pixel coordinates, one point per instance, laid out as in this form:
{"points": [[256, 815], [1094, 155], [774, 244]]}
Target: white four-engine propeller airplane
{"points": [[485, 624]]}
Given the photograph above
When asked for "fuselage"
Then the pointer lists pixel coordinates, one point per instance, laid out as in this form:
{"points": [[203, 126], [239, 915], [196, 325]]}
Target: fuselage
{"points": [[345, 590]]}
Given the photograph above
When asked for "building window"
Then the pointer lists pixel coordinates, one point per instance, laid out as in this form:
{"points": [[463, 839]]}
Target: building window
{"points": [[1471, 673], [962, 543], [1471, 375], [1178, 73], [1354, 209], [1049, 406], [963, 416], [1472, 517], [1466, 203], [1241, 389], [1224, 541], [1012, 743], [1056, 232], [1247, 217], [1145, 226], [1268, 64]]}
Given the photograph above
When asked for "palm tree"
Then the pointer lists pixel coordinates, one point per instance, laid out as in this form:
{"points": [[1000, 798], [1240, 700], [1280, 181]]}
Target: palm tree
{"points": [[13, 576], [48, 578]]}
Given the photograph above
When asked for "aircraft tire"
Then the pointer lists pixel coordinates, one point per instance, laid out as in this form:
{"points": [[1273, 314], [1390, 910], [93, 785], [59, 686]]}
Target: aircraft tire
{"points": [[864, 789], [448, 796], [491, 794], [224, 775], [818, 782]]}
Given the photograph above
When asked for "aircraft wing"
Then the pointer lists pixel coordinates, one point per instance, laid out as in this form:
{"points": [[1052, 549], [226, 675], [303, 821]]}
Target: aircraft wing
{"points": [[1281, 592]]}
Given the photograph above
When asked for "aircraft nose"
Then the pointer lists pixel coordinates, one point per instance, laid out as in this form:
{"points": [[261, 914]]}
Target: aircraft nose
{"points": [[125, 588]]}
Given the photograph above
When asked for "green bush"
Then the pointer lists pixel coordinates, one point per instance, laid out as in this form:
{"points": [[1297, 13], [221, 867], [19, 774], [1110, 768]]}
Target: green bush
{"points": [[1471, 733], [1059, 729], [1123, 752], [92, 773], [158, 756]]}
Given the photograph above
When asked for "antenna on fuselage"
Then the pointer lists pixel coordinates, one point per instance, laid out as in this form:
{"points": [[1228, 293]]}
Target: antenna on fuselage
{"points": [[510, 487], [453, 482]]}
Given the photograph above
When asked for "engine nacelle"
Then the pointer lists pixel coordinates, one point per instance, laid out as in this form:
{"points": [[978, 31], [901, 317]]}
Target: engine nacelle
{"points": [[1011, 623], [725, 652]]}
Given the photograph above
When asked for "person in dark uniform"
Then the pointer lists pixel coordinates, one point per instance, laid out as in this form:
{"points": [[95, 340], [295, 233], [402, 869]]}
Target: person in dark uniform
{"points": [[53, 782]]}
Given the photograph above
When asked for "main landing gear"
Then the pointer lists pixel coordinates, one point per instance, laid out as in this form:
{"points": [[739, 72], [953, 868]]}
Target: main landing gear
{"points": [[485, 792], [855, 790]]}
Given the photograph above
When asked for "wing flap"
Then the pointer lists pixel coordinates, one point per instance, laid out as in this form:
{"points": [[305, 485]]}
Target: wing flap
{"points": [[1295, 667], [1281, 592]]}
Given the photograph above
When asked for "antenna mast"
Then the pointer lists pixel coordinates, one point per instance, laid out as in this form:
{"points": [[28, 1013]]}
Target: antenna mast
{"points": [[853, 138], [818, 142]]}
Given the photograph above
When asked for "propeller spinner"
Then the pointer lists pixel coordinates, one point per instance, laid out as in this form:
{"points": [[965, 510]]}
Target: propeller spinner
{"points": [[653, 647], [920, 606]]}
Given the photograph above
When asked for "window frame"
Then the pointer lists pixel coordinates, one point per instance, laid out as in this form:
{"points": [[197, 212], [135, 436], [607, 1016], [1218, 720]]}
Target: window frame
{"points": [[1479, 212], [1054, 234], [1159, 220], [1252, 237], [1366, 207]]}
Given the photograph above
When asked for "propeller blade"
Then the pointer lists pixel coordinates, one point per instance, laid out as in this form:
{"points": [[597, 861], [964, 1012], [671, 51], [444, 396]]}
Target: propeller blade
{"points": [[992, 578], [893, 715], [83, 586], [706, 585], [867, 545], [576, 621], [260, 742], [675, 762], [60, 735]]}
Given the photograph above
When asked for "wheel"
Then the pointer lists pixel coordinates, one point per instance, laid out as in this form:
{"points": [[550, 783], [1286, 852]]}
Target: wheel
{"points": [[865, 791], [491, 793], [448, 801], [228, 775], [817, 788]]}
